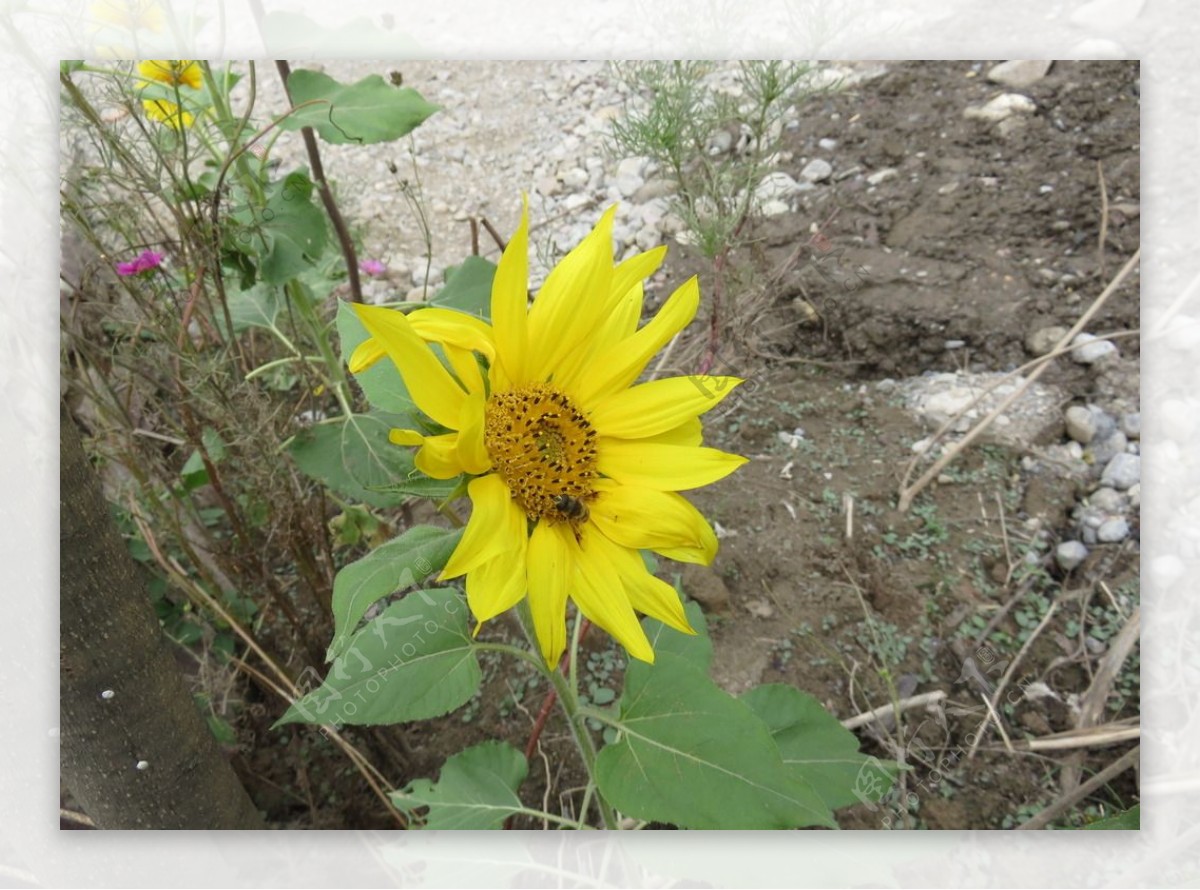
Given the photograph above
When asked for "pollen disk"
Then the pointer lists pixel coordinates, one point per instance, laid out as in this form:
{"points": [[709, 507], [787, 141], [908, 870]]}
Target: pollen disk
{"points": [[543, 447]]}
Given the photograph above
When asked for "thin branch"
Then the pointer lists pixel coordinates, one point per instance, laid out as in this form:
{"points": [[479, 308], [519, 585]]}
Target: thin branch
{"points": [[1064, 803], [888, 710]]}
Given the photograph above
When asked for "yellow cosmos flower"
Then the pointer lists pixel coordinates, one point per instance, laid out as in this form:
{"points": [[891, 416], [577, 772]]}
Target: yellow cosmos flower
{"points": [[172, 72], [575, 467], [167, 113]]}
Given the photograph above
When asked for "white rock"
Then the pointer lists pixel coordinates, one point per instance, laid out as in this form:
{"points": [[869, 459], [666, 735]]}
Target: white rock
{"points": [[1108, 499], [1103, 448], [1113, 530], [827, 144], [575, 178], [627, 185], [774, 208], [1004, 105], [1080, 424], [1123, 471], [1019, 73], [1087, 350], [1070, 554], [634, 166], [1131, 424], [1042, 340], [817, 170], [776, 187], [880, 176]]}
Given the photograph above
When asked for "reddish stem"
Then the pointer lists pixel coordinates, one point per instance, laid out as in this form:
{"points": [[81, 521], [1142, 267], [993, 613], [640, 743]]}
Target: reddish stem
{"points": [[547, 706]]}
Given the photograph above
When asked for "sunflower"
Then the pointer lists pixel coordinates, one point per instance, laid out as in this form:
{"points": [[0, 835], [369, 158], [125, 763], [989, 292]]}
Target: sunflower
{"points": [[575, 467]]}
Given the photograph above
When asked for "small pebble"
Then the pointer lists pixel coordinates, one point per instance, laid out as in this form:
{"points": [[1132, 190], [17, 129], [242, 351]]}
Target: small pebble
{"points": [[1080, 424], [1087, 350], [1113, 530], [1043, 340], [817, 170], [1069, 555], [1122, 472], [1103, 448], [1131, 424], [1107, 499]]}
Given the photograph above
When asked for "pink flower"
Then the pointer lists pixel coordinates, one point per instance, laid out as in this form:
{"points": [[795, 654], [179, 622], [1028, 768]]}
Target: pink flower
{"points": [[374, 268], [145, 261]]}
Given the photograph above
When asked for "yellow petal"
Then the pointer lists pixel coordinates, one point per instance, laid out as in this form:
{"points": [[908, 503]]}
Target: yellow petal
{"points": [[635, 270], [620, 365], [438, 456], [600, 593], [621, 322], [551, 568], [645, 519], [498, 584], [659, 406], [406, 437], [168, 113], [365, 354], [571, 303], [652, 596], [430, 385], [492, 509], [465, 366], [663, 467], [470, 451], [690, 432], [449, 326], [510, 299]]}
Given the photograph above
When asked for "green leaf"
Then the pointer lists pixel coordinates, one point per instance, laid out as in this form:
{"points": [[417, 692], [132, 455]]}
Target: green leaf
{"points": [[477, 789], [693, 755], [695, 650], [194, 474], [818, 749], [1129, 820], [414, 661], [257, 307], [468, 287], [294, 229], [213, 443], [381, 383], [353, 456], [365, 112], [401, 562]]}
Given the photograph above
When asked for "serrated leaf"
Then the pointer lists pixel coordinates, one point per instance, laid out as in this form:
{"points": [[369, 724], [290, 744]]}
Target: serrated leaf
{"points": [[353, 456], [477, 789], [468, 287], [414, 661], [401, 562], [818, 749], [381, 383], [695, 756], [360, 113]]}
